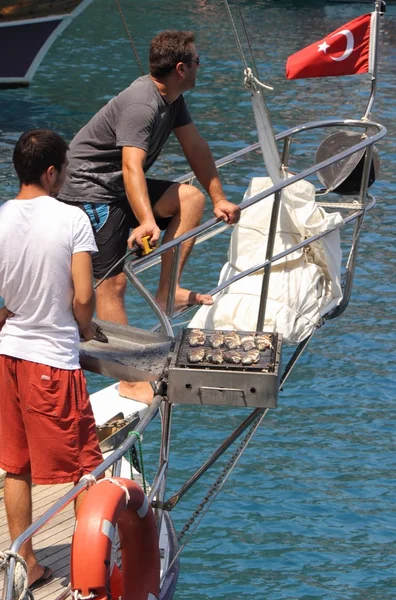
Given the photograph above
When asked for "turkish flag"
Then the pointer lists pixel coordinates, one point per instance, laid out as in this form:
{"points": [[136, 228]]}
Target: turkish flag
{"points": [[345, 51]]}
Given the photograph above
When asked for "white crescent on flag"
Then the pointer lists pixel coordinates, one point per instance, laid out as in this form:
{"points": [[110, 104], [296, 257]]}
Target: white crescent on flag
{"points": [[349, 47]]}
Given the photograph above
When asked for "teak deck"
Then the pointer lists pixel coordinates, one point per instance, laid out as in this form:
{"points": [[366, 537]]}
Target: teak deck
{"points": [[52, 543]]}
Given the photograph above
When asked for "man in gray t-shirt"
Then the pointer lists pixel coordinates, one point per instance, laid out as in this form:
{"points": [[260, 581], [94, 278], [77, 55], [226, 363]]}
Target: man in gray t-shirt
{"points": [[108, 160]]}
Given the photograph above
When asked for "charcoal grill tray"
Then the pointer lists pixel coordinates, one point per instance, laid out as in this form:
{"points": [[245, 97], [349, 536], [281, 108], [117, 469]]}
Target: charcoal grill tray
{"points": [[266, 362]]}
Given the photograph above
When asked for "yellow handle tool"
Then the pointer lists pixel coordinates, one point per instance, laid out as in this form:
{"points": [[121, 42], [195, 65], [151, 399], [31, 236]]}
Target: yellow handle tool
{"points": [[146, 247]]}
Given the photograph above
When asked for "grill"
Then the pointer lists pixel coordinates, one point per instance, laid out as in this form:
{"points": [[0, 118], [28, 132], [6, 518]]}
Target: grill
{"points": [[266, 362], [224, 384]]}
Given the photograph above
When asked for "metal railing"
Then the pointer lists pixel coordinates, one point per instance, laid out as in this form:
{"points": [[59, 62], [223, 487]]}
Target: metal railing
{"points": [[213, 226]]}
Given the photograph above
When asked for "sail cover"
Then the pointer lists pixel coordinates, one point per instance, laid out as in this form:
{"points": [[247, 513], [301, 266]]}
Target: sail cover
{"points": [[304, 285]]}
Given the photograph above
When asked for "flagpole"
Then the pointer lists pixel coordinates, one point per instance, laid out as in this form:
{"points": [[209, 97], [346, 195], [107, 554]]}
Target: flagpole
{"points": [[380, 7]]}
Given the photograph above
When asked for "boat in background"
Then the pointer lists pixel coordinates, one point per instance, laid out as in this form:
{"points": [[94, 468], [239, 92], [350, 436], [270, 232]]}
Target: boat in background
{"points": [[27, 31]]}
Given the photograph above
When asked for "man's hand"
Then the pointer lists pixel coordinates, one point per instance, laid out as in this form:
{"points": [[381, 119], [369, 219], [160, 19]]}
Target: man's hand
{"points": [[148, 228], [4, 314], [87, 333], [227, 211]]}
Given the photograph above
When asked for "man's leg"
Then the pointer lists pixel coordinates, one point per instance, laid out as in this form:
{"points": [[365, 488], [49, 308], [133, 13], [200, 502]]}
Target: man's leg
{"points": [[185, 204], [110, 295], [18, 505], [110, 307]]}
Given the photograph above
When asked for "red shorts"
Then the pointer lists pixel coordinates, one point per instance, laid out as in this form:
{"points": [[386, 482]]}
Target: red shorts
{"points": [[47, 427]]}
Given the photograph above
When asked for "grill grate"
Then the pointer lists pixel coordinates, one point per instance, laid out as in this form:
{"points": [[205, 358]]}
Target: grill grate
{"points": [[265, 364]]}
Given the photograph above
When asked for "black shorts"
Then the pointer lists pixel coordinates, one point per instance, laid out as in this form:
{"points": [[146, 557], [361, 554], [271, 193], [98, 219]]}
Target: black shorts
{"points": [[112, 223]]}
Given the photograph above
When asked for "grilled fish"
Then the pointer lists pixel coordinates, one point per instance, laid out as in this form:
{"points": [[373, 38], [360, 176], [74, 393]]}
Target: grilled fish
{"points": [[232, 340], [196, 338], [232, 356], [263, 341], [247, 342], [195, 355], [214, 356], [216, 339], [251, 357]]}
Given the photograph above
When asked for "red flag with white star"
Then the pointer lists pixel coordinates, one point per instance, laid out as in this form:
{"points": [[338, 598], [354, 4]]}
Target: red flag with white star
{"points": [[345, 51]]}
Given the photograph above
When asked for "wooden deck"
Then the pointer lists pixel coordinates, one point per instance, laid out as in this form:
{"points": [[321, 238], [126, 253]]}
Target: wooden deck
{"points": [[52, 543]]}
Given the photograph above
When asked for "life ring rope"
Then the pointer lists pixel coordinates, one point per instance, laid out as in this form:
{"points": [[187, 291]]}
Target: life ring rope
{"points": [[121, 485]]}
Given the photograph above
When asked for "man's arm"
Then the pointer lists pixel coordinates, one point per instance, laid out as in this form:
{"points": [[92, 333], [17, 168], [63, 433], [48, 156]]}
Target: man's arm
{"points": [[84, 295], [4, 314], [137, 194], [200, 158]]}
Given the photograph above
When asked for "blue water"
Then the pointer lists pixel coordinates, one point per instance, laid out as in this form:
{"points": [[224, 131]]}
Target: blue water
{"points": [[309, 512]]}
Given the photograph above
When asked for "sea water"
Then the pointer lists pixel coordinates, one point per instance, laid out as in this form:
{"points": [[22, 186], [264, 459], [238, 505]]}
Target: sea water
{"points": [[309, 511]]}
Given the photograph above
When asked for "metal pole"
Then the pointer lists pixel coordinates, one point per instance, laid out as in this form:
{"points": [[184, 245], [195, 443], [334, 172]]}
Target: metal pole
{"points": [[166, 414], [171, 503], [350, 269], [375, 22], [166, 327], [174, 275], [286, 151], [268, 256]]}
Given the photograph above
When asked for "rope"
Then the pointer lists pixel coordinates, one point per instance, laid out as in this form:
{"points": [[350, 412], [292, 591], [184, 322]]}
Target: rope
{"points": [[131, 457], [252, 83], [115, 482], [89, 479], [238, 41], [130, 37], [20, 590]]}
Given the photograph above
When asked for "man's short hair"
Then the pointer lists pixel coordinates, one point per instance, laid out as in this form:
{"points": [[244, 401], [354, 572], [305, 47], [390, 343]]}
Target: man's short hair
{"points": [[169, 48], [35, 152]]}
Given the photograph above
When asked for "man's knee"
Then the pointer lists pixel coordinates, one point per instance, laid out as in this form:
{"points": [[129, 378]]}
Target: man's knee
{"points": [[192, 198], [113, 286], [11, 477]]}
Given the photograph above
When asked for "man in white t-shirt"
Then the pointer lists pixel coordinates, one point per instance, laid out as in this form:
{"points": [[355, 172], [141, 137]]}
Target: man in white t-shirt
{"points": [[47, 429]]}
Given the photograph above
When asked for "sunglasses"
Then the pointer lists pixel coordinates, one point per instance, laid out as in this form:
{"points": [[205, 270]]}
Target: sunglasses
{"points": [[193, 60]]}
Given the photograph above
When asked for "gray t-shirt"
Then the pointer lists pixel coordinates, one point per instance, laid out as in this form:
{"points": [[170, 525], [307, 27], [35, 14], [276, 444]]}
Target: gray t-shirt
{"points": [[138, 117]]}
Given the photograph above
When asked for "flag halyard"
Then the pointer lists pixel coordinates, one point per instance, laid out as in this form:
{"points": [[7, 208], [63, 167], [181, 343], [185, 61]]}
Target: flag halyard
{"points": [[345, 51]]}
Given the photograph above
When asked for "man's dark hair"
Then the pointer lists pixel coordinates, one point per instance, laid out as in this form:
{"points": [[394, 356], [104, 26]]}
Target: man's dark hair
{"points": [[167, 49], [35, 152]]}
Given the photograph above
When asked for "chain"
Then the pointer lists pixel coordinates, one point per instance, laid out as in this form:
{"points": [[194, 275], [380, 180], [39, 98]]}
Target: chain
{"points": [[215, 489], [130, 37], [222, 478]]}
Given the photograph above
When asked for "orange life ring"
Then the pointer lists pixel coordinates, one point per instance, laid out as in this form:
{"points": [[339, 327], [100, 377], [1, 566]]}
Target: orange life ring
{"points": [[108, 503]]}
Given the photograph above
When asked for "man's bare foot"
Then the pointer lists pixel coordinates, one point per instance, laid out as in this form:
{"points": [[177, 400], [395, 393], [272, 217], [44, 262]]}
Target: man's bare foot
{"points": [[38, 575], [184, 298], [141, 391]]}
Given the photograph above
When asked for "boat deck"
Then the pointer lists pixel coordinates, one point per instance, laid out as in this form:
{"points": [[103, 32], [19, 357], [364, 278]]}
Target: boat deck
{"points": [[35, 9], [52, 543]]}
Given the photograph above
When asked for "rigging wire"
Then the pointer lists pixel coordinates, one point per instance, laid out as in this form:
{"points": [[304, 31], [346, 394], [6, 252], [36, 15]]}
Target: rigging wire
{"points": [[238, 41], [248, 41], [130, 37], [215, 489]]}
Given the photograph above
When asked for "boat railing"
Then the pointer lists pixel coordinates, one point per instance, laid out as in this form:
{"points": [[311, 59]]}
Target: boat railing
{"points": [[113, 460], [202, 233], [213, 226]]}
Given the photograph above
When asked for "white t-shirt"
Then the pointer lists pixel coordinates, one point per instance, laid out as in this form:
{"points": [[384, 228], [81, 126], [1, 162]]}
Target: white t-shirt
{"points": [[37, 240]]}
